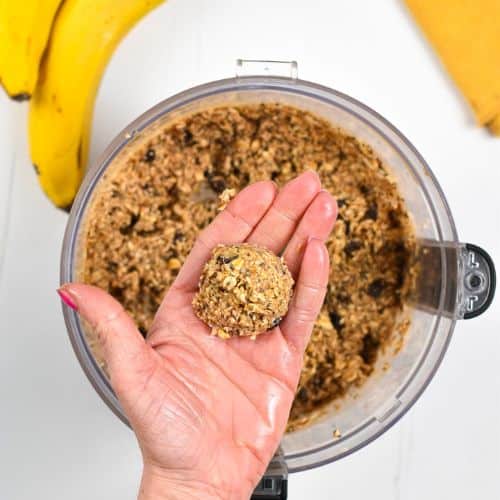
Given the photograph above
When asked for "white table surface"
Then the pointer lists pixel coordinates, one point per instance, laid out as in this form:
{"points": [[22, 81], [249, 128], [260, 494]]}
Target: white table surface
{"points": [[59, 441]]}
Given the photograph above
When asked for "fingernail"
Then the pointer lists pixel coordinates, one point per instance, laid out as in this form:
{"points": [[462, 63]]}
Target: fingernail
{"points": [[66, 298]]}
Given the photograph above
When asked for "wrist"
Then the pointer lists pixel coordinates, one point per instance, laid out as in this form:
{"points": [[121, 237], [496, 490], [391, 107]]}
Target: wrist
{"points": [[158, 484]]}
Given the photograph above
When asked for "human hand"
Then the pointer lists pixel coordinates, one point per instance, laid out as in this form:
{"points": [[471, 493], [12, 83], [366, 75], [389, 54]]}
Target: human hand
{"points": [[209, 414]]}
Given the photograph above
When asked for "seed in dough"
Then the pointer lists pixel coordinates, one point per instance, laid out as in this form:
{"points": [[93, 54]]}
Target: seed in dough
{"points": [[244, 290]]}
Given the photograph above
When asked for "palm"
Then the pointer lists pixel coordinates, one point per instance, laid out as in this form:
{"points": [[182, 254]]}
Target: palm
{"points": [[204, 405], [237, 400]]}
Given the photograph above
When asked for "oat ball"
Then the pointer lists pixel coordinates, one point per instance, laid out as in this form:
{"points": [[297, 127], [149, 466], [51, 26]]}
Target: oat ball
{"points": [[244, 291]]}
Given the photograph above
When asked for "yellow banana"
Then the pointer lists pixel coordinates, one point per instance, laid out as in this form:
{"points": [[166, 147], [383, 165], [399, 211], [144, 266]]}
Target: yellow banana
{"points": [[83, 38], [24, 30]]}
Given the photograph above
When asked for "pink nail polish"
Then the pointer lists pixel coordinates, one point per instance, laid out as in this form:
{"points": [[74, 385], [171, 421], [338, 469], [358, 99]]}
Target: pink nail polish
{"points": [[66, 298]]}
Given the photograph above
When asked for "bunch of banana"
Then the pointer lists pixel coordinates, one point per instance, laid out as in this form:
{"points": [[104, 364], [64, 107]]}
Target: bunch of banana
{"points": [[83, 35]]}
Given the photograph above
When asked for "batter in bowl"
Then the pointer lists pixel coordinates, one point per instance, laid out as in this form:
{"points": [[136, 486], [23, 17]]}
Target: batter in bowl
{"points": [[164, 189]]}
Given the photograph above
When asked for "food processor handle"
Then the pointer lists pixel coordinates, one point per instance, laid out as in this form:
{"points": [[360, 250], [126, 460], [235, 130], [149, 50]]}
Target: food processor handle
{"points": [[479, 280], [274, 483], [456, 280]]}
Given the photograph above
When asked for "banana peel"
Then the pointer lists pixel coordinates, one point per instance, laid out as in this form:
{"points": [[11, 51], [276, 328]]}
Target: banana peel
{"points": [[24, 31], [84, 36]]}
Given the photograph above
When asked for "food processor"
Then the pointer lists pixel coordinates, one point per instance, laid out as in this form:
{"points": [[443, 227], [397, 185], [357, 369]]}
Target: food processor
{"points": [[455, 280]]}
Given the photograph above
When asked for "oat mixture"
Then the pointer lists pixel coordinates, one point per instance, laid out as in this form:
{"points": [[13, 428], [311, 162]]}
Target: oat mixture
{"points": [[159, 194], [244, 290]]}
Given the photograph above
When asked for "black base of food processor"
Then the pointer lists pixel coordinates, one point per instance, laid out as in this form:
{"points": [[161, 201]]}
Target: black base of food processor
{"points": [[274, 483], [271, 488]]}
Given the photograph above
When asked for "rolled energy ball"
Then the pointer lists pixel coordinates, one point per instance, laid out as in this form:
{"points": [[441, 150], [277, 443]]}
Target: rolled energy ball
{"points": [[244, 290]]}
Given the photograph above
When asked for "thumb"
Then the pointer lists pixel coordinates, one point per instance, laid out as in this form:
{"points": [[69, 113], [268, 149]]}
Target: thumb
{"points": [[127, 355]]}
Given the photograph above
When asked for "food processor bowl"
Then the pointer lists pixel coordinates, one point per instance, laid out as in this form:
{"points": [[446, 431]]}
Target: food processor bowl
{"points": [[455, 281]]}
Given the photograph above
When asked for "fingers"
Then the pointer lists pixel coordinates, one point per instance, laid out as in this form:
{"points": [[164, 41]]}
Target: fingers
{"points": [[126, 353], [277, 226], [232, 225], [308, 296], [317, 222]]}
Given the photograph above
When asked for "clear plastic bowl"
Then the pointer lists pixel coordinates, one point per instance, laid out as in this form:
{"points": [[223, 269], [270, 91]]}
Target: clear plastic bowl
{"points": [[387, 395]]}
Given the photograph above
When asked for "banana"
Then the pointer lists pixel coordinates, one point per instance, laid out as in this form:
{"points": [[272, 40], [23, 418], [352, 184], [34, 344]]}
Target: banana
{"points": [[24, 31], [83, 38]]}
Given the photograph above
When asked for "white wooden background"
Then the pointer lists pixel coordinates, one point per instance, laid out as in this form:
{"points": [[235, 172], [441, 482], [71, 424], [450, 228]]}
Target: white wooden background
{"points": [[59, 441]]}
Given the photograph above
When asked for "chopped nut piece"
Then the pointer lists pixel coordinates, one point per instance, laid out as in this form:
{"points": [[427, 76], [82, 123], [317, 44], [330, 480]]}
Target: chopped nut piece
{"points": [[174, 263], [225, 197], [255, 292], [336, 434]]}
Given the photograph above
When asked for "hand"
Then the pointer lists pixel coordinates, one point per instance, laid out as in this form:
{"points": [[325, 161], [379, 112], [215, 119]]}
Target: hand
{"points": [[209, 414]]}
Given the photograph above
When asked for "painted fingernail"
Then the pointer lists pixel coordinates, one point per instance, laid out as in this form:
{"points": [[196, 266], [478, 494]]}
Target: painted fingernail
{"points": [[66, 298]]}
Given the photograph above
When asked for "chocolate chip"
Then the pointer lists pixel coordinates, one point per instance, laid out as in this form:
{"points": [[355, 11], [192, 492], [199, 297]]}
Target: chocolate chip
{"points": [[236, 171], [336, 320], [112, 266], [342, 155], [352, 246], [178, 235], [217, 183], [341, 202], [364, 188], [398, 247], [169, 254], [302, 395], [125, 230], [317, 381], [188, 138], [376, 287], [343, 298], [222, 259], [370, 348], [400, 261], [372, 212], [116, 292], [274, 175], [276, 322], [400, 279], [150, 155], [394, 219]]}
